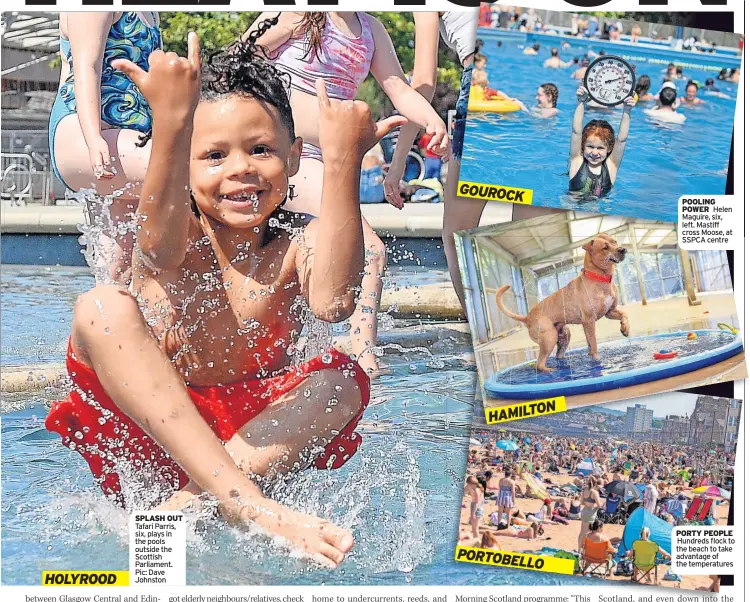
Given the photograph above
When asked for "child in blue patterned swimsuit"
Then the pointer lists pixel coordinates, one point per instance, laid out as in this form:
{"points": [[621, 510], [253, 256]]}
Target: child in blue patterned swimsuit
{"points": [[99, 118]]}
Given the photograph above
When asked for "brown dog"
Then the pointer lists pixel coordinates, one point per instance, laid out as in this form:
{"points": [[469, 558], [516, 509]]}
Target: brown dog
{"points": [[584, 300]]}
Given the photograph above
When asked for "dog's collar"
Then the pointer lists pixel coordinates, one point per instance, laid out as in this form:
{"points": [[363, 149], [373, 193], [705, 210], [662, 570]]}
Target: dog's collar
{"points": [[597, 277]]}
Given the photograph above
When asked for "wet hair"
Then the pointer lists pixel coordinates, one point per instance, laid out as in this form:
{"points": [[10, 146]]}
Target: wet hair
{"points": [[537, 46], [670, 66], [554, 52], [499, 43], [667, 96], [678, 70], [710, 81], [723, 73], [692, 83], [642, 85], [601, 129], [551, 91], [479, 44], [479, 78], [576, 60], [596, 525], [243, 69]]}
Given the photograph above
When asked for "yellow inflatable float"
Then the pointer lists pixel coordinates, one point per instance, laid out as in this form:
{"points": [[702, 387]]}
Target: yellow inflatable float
{"points": [[477, 103], [493, 106]]}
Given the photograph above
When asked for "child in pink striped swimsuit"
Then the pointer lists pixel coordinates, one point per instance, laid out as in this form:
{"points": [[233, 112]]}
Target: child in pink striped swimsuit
{"points": [[342, 49]]}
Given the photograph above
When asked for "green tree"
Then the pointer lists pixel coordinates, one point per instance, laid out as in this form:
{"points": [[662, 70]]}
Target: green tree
{"points": [[215, 29]]}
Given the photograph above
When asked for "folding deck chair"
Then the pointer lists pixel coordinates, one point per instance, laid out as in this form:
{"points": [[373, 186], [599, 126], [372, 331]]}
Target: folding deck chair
{"points": [[644, 561], [596, 558]]}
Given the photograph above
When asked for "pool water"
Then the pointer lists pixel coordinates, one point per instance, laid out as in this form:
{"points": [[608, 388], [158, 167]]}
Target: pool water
{"points": [[400, 494], [621, 363], [661, 163]]}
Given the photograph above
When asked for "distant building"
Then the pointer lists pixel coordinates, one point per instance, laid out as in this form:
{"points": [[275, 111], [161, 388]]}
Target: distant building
{"points": [[708, 423], [733, 424], [638, 419], [676, 430]]}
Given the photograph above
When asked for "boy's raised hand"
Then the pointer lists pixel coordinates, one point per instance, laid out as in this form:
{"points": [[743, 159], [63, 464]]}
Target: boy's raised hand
{"points": [[172, 83], [346, 127]]}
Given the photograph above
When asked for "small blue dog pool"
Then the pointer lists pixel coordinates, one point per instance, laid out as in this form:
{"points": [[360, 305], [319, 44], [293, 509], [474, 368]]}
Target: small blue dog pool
{"points": [[623, 363]]}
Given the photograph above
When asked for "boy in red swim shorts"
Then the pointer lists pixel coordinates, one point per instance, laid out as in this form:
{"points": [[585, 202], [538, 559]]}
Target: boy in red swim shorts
{"points": [[188, 377]]}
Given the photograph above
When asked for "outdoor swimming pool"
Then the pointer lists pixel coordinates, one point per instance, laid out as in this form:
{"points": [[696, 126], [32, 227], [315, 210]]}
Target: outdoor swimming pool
{"points": [[400, 495], [662, 162]]}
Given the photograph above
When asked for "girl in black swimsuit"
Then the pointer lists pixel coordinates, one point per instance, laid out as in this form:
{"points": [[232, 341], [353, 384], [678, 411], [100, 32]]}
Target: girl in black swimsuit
{"points": [[595, 153]]}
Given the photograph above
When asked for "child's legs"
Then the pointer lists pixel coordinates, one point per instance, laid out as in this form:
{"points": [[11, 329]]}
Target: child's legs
{"points": [[459, 213], [110, 335], [129, 163], [294, 429], [308, 185]]}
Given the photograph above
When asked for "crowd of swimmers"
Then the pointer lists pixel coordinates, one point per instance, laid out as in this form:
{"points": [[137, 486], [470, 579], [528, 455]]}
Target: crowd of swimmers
{"points": [[593, 169]]}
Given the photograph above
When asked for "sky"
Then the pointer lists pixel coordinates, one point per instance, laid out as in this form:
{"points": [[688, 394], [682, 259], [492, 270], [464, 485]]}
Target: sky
{"points": [[662, 405]]}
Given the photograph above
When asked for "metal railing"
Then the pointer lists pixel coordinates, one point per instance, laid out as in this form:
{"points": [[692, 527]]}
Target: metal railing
{"points": [[25, 177]]}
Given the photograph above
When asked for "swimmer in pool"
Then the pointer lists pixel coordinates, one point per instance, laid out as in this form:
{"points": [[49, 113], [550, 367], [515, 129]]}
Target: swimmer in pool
{"points": [[554, 61], [533, 49], [480, 89], [581, 71], [187, 379], [710, 89], [546, 99], [595, 153], [666, 107], [734, 76], [691, 95], [670, 74], [642, 87]]}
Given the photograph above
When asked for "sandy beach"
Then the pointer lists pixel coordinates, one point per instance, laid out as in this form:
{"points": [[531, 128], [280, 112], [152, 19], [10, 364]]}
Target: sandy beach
{"points": [[557, 536]]}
